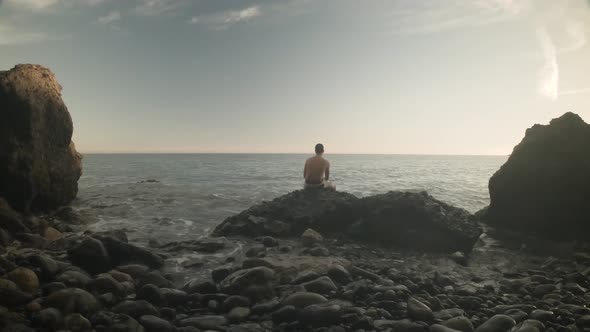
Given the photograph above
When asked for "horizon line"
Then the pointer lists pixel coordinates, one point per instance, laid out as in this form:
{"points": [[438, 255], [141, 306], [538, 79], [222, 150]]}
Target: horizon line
{"points": [[295, 153]]}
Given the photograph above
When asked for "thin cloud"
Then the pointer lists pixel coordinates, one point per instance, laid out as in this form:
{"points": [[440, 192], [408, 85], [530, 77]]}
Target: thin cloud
{"points": [[111, 17], [223, 20], [549, 74], [414, 17], [41, 5], [158, 7]]}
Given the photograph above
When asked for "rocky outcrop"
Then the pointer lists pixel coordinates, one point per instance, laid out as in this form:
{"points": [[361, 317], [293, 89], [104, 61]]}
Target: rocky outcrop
{"points": [[410, 220], [544, 187], [39, 165]]}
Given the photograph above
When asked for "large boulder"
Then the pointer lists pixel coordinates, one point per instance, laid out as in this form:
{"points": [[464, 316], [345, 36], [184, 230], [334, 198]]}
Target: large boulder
{"points": [[416, 221], [404, 219], [544, 187], [290, 215], [39, 165]]}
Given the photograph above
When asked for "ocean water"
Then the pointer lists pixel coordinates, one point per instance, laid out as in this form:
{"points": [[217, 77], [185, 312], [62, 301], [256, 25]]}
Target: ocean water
{"points": [[175, 197]]}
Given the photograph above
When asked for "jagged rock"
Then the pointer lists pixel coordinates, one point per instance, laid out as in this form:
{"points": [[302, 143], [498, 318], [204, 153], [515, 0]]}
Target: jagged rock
{"points": [[413, 220], [292, 214], [416, 221], [544, 187], [11, 220], [39, 165], [122, 253]]}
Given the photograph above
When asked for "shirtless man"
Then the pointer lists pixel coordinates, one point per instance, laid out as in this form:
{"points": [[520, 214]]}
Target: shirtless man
{"points": [[317, 170]]}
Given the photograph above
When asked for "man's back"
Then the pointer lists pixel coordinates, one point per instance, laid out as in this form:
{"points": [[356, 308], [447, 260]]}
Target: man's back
{"points": [[317, 169]]}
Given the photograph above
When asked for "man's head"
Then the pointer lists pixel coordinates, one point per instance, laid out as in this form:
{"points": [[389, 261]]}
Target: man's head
{"points": [[319, 148]]}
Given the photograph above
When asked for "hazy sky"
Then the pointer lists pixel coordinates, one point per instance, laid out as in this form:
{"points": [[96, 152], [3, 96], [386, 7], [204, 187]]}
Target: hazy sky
{"points": [[361, 76]]}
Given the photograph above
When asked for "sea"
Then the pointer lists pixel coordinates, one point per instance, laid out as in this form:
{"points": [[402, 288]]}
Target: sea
{"points": [[177, 197]]}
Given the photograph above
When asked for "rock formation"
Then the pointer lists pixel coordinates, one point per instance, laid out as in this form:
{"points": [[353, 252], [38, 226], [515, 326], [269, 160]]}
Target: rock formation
{"points": [[39, 165], [544, 187], [411, 220]]}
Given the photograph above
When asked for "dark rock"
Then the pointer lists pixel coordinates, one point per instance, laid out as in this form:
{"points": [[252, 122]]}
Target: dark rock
{"points": [[152, 294], [323, 314], [459, 323], [529, 325], [301, 300], [124, 253], [73, 278], [91, 255], [10, 220], [155, 324], [235, 301], [270, 241], [414, 220], [321, 285], [215, 323], [49, 318], [77, 323], [417, 221], [441, 328], [53, 287], [175, 297], [125, 323], [255, 283], [419, 311], [292, 214], [287, 313], [44, 266], [238, 314], [265, 307], [106, 284], [339, 274], [32, 240], [200, 286], [544, 186], [256, 251], [73, 300], [542, 315], [13, 297], [155, 278], [39, 165], [498, 323], [136, 271], [310, 237], [221, 273], [136, 308]]}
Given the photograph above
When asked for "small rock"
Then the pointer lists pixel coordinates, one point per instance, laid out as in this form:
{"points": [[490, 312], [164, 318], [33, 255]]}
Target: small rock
{"points": [[498, 323], [310, 238], [155, 324], [238, 314], [77, 323], [25, 278], [270, 241], [288, 313], [73, 300], [205, 322], [419, 311], [321, 285], [235, 301], [91, 255], [136, 308], [49, 318], [339, 274], [459, 323], [301, 300], [152, 294]]}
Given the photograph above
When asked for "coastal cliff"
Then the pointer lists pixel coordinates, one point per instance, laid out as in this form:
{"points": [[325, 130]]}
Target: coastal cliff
{"points": [[39, 165]]}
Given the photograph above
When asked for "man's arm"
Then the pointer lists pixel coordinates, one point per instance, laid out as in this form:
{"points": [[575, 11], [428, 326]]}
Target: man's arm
{"points": [[305, 171], [328, 172]]}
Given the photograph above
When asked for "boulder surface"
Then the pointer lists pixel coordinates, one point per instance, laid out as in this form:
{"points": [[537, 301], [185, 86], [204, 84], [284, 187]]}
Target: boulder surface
{"points": [[411, 220], [39, 165], [544, 187]]}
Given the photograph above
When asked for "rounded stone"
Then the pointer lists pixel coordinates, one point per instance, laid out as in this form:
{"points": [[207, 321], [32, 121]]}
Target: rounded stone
{"points": [[419, 311], [25, 278], [73, 300]]}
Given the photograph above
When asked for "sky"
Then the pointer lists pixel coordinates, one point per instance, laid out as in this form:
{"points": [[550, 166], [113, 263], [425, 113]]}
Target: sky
{"points": [[279, 76]]}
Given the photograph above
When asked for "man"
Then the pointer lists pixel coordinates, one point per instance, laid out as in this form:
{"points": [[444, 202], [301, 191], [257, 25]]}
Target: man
{"points": [[317, 170]]}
